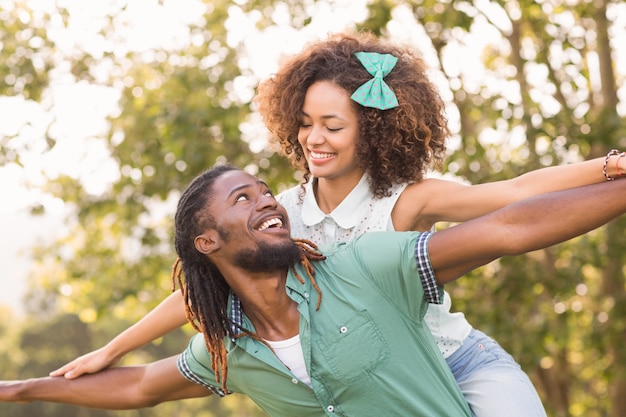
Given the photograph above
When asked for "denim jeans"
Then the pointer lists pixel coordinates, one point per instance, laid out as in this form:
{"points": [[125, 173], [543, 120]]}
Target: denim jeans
{"points": [[492, 382]]}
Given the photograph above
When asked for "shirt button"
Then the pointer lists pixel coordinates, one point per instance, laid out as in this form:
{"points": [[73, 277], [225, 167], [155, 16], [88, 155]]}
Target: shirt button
{"points": [[343, 329], [330, 409], [294, 380], [306, 295]]}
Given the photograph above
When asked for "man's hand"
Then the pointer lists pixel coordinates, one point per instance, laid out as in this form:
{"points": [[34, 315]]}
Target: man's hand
{"points": [[122, 388], [9, 391]]}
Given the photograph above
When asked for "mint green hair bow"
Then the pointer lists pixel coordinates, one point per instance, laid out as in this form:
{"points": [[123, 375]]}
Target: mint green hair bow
{"points": [[376, 93]]}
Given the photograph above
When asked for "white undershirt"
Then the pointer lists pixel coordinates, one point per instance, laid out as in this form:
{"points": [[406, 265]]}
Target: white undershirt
{"points": [[290, 353]]}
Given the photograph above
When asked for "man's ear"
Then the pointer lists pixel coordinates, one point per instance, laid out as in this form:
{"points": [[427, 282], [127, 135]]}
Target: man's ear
{"points": [[206, 243]]}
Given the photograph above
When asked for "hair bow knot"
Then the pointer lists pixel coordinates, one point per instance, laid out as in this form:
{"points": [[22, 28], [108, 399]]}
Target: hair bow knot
{"points": [[375, 92]]}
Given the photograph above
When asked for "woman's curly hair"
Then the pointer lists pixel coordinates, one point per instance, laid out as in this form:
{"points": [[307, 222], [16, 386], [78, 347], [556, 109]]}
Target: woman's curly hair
{"points": [[397, 145]]}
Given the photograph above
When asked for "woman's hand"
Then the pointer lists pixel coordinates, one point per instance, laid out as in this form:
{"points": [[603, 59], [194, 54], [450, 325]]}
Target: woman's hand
{"points": [[88, 363]]}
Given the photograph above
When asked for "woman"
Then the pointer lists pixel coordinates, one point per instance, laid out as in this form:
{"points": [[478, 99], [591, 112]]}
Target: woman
{"points": [[364, 123]]}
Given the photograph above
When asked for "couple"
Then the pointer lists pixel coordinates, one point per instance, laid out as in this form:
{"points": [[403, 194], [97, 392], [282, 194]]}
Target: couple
{"points": [[338, 331]]}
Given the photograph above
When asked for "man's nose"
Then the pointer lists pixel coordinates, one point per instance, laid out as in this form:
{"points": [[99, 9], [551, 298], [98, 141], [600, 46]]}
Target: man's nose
{"points": [[266, 201]]}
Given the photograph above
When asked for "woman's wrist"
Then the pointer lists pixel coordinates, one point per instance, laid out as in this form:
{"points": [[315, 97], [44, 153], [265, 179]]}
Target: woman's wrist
{"points": [[114, 351], [621, 159], [614, 165]]}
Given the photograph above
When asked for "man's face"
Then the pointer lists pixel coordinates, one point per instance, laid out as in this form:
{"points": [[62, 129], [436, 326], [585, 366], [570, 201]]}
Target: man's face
{"points": [[252, 228]]}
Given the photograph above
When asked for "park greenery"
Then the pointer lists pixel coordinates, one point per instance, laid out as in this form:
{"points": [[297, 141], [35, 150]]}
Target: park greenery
{"points": [[550, 92]]}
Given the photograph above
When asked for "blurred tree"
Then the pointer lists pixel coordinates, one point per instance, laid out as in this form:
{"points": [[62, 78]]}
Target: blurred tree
{"points": [[48, 344], [547, 94], [27, 55], [178, 116], [10, 353]]}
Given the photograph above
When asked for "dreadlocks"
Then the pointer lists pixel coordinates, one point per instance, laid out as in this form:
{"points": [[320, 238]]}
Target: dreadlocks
{"points": [[204, 290]]}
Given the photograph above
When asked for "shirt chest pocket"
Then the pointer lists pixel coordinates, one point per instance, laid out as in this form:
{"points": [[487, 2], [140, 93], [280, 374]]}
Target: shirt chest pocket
{"points": [[354, 348]]}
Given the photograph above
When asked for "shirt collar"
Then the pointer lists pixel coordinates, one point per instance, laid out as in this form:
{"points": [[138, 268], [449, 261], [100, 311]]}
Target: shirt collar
{"points": [[346, 214], [293, 287], [236, 315]]}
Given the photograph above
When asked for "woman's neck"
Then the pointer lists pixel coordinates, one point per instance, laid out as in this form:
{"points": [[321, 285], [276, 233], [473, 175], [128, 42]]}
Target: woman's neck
{"points": [[330, 193]]}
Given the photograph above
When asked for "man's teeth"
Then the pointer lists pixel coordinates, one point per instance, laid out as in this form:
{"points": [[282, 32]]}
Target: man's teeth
{"points": [[271, 222]]}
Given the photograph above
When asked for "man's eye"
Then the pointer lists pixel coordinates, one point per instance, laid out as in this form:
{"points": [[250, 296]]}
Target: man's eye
{"points": [[241, 197]]}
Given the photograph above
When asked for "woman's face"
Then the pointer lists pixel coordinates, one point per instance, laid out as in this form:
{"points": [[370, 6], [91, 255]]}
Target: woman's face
{"points": [[329, 132]]}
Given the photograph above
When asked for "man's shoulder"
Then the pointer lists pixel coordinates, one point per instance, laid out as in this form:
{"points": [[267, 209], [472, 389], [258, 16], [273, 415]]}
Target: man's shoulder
{"points": [[379, 238], [371, 241]]}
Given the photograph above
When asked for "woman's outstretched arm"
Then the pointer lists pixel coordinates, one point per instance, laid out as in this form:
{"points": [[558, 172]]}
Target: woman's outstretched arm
{"points": [[531, 224], [430, 201], [167, 316]]}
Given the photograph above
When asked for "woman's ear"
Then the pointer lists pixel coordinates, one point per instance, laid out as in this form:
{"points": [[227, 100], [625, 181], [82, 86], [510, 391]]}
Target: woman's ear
{"points": [[206, 243]]}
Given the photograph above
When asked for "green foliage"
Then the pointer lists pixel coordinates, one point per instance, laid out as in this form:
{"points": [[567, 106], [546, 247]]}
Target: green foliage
{"points": [[561, 312], [25, 51], [551, 309], [26, 56], [10, 354], [68, 337]]}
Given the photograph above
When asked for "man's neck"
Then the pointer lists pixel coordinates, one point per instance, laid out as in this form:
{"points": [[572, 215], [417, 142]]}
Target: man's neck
{"points": [[265, 301], [276, 324]]}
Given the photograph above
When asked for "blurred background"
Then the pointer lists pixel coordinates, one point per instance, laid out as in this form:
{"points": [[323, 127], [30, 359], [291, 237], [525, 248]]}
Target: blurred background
{"points": [[109, 108]]}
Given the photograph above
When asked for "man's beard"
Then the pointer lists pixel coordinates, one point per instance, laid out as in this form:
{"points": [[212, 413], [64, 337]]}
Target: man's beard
{"points": [[269, 258]]}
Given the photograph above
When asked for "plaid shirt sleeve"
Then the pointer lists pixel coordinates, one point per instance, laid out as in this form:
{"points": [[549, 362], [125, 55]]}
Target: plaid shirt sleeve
{"points": [[425, 269], [187, 373]]}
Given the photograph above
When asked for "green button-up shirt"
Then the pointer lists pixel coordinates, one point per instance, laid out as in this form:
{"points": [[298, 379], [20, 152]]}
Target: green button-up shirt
{"points": [[367, 349]]}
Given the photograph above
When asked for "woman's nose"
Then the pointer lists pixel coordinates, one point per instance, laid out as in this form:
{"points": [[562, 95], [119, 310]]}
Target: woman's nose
{"points": [[316, 136]]}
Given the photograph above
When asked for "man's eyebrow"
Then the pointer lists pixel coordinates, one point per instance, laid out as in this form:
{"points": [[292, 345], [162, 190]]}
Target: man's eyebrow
{"points": [[243, 186], [238, 188]]}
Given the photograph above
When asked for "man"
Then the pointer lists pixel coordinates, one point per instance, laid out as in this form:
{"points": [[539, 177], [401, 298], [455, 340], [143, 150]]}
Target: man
{"points": [[309, 337]]}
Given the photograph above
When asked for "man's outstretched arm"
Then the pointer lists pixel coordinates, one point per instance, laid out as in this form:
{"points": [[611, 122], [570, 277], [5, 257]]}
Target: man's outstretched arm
{"points": [[531, 224], [127, 387], [167, 316]]}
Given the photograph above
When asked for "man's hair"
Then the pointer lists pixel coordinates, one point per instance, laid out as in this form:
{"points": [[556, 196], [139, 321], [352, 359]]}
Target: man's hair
{"points": [[396, 145], [204, 288]]}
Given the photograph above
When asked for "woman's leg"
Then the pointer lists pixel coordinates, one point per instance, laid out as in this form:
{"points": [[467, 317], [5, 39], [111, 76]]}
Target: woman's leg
{"points": [[492, 382]]}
